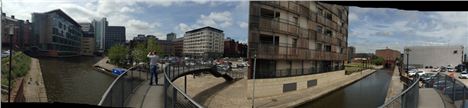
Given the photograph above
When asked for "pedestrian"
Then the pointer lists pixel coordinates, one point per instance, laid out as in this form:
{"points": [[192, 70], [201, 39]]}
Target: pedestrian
{"points": [[153, 66]]}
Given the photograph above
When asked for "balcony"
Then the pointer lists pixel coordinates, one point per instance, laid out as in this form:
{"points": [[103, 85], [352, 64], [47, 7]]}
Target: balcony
{"points": [[269, 51]]}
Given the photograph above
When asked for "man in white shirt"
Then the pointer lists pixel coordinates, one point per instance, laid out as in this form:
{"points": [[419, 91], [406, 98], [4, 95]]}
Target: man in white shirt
{"points": [[154, 59]]}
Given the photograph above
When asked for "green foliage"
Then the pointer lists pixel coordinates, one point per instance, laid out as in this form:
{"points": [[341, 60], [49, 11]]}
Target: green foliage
{"points": [[118, 54], [377, 60], [153, 46], [139, 53], [20, 67]]}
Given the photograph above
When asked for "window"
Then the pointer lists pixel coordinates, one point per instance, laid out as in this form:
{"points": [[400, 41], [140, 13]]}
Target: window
{"points": [[320, 12], [319, 47], [294, 43], [328, 32], [328, 48], [328, 16], [268, 39], [295, 20], [319, 29], [269, 13], [340, 14]]}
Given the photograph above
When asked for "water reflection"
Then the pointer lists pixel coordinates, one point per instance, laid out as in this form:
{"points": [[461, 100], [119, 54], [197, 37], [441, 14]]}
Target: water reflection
{"points": [[73, 80], [369, 92]]}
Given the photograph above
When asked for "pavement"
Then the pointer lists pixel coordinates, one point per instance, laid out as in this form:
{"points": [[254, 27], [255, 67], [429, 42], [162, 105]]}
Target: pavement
{"points": [[34, 88], [395, 86], [147, 96], [429, 98], [215, 92]]}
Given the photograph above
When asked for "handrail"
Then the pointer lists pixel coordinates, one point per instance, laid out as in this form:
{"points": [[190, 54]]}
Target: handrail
{"points": [[113, 83], [180, 91], [402, 93]]}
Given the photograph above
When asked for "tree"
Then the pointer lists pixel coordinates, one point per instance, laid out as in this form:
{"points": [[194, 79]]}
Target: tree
{"points": [[117, 54], [153, 46], [139, 53], [378, 60]]}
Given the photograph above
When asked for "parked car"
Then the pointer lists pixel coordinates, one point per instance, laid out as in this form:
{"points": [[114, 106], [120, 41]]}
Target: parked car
{"points": [[412, 72], [421, 72], [450, 69], [437, 69], [463, 75], [427, 77]]}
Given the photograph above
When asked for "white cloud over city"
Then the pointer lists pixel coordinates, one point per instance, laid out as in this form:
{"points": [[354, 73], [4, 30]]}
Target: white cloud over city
{"points": [[155, 17], [377, 28]]}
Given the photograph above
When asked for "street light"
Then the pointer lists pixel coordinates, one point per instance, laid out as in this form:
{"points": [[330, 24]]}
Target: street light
{"points": [[407, 50], [11, 54]]}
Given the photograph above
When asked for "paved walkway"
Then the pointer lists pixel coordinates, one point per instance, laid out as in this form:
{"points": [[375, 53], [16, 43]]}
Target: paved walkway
{"points": [[396, 85], [147, 96], [34, 88], [429, 98]]}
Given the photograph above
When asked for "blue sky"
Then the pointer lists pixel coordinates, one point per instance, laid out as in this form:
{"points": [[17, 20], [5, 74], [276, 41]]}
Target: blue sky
{"points": [[378, 28], [155, 17]]}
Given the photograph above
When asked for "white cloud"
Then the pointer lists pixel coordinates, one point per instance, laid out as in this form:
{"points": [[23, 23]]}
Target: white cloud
{"points": [[243, 25], [223, 19]]}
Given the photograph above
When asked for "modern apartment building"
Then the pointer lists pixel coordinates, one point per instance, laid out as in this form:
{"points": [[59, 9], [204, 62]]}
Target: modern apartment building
{"points": [[87, 41], [55, 34], [100, 34], [291, 38], [114, 35], [204, 42], [436, 56], [171, 36]]}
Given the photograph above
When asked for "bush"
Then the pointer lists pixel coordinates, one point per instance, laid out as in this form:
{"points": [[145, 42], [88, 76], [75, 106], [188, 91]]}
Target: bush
{"points": [[21, 65], [378, 60], [118, 54]]}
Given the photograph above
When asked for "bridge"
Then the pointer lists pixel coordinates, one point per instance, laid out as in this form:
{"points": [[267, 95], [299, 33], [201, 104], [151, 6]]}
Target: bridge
{"points": [[442, 91], [132, 89]]}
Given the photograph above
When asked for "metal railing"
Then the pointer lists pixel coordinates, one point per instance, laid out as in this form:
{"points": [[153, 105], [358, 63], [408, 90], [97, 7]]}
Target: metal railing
{"points": [[408, 98], [124, 86], [174, 97], [452, 90]]}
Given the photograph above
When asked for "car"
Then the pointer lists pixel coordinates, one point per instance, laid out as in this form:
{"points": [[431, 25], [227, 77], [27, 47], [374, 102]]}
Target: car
{"points": [[450, 69], [428, 76], [463, 75], [437, 69], [412, 72], [421, 72]]}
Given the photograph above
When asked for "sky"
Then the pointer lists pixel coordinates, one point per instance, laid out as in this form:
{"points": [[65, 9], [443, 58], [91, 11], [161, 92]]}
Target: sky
{"points": [[150, 17], [369, 28], [378, 28]]}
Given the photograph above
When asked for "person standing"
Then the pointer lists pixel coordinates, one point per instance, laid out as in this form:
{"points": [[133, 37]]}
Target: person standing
{"points": [[153, 66]]}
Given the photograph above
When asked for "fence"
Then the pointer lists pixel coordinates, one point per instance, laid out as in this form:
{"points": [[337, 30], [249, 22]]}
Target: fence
{"points": [[408, 98], [124, 86], [293, 72], [451, 89], [174, 97]]}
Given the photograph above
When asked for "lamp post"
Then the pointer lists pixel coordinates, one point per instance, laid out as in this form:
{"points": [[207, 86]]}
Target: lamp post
{"points": [[253, 77], [10, 64], [407, 50]]}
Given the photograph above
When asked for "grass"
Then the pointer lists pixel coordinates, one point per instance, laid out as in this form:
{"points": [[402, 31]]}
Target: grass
{"points": [[356, 67], [21, 65]]}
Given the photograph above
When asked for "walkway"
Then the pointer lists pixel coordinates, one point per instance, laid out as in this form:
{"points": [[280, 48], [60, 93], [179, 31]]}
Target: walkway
{"points": [[429, 98], [147, 96], [34, 88]]}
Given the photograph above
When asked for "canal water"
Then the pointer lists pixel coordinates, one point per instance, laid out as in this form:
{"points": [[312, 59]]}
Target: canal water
{"points": [[73, 80], [368, 92]]}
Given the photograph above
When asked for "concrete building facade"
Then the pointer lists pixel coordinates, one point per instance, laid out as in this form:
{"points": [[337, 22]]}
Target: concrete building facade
{"points": [[87, 41], [435, 56], [114, 35], [178, 46], [56, 34], [291, 38], [204, 42], [100, 34]]}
